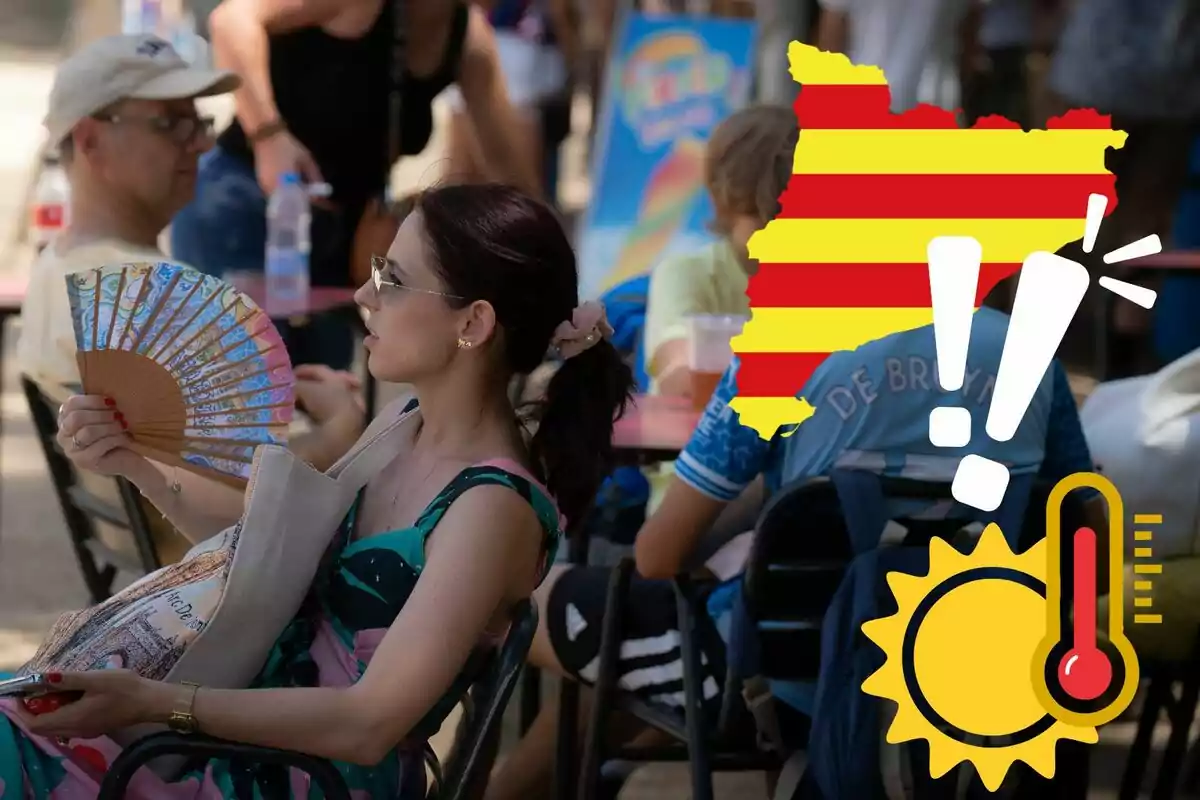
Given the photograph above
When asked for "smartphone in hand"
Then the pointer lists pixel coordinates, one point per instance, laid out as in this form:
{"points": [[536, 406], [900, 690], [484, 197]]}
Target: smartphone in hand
{"points": [[25, 686], [37, 693]]}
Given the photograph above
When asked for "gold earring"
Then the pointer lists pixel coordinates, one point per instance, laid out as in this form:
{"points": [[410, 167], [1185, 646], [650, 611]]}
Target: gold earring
{"points": [[463, 343]]}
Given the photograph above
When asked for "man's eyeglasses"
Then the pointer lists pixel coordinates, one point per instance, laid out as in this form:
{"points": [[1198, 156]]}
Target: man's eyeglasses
{"points": [[182, 130], [379, 276]]}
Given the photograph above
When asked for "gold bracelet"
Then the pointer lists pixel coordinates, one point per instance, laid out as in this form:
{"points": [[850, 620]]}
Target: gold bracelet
{"points": [[266, 131], [183, 720]]}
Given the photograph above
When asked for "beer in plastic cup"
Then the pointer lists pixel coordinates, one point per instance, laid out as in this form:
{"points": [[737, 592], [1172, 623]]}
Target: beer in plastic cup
{"points": [[710, 352]]}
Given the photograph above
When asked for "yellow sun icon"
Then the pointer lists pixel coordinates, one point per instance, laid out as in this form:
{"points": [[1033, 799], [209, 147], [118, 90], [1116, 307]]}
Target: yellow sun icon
{"points": [[960, 658]]}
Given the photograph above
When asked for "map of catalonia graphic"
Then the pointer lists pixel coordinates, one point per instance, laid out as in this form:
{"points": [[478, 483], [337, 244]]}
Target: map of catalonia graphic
{"points": [[844, 263]]}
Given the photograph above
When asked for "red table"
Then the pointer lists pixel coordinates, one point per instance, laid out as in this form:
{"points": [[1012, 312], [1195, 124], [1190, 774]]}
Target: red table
{"points": [[1173, 262], [655, 428], [320, 298]]}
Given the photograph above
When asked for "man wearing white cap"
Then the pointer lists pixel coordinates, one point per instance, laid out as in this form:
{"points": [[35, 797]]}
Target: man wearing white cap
{"points": [[122, 112]]}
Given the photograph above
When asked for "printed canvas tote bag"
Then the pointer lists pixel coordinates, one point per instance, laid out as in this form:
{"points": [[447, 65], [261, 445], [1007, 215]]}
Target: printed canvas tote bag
{"points": [[212, 617]]}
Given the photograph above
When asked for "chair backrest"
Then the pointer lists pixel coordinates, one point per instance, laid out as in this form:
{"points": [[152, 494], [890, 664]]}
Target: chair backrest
{"points": [[802, 548], [816, 574], [93, 506], [485, 708]]}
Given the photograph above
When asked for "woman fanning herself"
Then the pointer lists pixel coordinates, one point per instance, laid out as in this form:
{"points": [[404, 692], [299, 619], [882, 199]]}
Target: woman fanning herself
{"points": [[478, 285]]}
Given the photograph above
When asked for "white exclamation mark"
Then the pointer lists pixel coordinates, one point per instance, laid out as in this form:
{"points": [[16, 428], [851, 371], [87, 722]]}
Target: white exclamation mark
{"points": [[1097, 205], [1048, 295], [953, 283]]}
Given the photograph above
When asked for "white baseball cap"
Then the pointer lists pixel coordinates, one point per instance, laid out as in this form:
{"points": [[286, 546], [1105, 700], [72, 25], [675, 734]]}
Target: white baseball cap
{"points": [[126, 66]]}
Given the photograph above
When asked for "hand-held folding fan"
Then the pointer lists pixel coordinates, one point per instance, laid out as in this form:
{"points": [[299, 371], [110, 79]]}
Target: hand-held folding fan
{"points": [[198, 370]]}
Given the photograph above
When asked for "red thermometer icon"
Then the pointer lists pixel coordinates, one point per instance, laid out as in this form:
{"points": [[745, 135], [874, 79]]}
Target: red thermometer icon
{"points": [[1084, 672], [1069, 667]]}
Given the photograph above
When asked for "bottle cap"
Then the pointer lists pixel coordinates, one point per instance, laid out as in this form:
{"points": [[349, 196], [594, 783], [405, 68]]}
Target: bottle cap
{"points": [[289, 179], [319, 190]]}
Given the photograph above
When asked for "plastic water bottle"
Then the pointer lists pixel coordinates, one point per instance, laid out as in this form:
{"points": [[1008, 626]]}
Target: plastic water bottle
{"points": [[48, 212], [288, 219], [171, 20]]}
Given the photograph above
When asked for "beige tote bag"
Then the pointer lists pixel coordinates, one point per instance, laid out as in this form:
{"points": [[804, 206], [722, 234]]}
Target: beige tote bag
{"points": [[213, 617]]}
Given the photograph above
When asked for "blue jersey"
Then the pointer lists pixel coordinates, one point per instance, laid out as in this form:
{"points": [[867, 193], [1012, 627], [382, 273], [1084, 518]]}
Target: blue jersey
{"points": [[872, 412]]}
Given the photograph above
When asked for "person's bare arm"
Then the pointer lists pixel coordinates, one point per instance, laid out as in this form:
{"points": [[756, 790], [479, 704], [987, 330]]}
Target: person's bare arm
{"points": [[201, 508], [329, 441], [239, 30], [972, 58], [483, 555], [566, 31], [833, 30], [333, 400], [492, 115], [670, 535], [669, 366]]}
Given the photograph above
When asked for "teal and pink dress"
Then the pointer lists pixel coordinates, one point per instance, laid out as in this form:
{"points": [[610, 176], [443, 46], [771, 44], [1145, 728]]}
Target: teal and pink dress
{"points": [[360, 589]]}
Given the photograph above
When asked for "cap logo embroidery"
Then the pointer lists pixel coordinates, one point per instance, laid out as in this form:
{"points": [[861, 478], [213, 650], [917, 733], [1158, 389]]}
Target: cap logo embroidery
{"points": [[152, 46]]}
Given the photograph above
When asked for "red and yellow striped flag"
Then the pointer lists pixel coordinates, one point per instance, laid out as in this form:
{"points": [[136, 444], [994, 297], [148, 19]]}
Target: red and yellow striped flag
{"points": [[844, 263]]}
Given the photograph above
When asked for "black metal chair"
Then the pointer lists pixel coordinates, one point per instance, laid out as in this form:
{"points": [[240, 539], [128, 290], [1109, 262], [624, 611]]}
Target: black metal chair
{"points": [[85, 511], [788, 584], [477, 733], [1180, 710]]}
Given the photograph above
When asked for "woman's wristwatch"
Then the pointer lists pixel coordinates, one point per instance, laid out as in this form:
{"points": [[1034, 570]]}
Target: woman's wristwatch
{"points": [[182, 720]]}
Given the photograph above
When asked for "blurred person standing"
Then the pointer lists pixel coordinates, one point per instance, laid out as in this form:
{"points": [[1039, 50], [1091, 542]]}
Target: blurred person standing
{"points": [[1138, 60], [1176, 324], [317, 99], [537, 42], [555, 110], [780, 22], [917, 44], [995, 74]]}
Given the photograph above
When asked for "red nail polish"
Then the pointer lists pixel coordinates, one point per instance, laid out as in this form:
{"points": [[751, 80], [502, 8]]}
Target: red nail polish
{"points": [[124, 424], [108, 401], [54, 677]]}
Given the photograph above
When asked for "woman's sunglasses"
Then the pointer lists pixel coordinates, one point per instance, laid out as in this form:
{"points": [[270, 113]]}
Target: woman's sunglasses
{"points": [[379, 276]]}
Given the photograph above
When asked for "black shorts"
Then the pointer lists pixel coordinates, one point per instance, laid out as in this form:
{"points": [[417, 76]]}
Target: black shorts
{"points": [[650, 664]]}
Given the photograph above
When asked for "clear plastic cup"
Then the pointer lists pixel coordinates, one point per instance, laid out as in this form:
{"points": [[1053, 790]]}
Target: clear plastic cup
{"points": [[710, 352]]}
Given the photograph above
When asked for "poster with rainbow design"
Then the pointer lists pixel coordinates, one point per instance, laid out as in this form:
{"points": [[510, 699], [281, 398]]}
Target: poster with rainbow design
{"points": [[671, 80]]}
